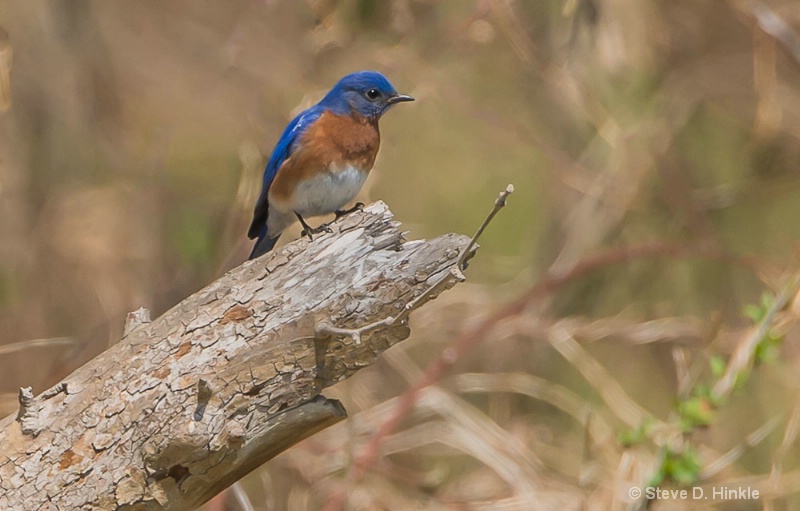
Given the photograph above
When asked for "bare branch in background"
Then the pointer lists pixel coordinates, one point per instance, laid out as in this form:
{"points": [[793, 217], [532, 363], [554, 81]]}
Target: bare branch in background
{"points": [[743, 357], [772, 24]]}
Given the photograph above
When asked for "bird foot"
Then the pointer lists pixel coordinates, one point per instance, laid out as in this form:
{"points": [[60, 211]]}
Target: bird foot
{"points": [[308, 230], [342, 212]]}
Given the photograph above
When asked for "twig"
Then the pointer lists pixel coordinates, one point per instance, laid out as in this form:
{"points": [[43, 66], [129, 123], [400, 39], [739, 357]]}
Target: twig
{"points": [[36, 343], [574, 405], [742, 358], [241, 497], [736, 452], [789, 438], [499, 203], [609, 389], [773, 25], [325, 329]]}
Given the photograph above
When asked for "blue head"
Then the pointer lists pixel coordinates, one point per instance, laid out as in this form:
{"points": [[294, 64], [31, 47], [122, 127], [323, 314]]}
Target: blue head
{"points": [[367, 93]]}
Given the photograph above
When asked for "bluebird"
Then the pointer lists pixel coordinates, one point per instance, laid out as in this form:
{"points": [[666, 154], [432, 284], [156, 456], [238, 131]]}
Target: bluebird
{"points": [[323, 158]]}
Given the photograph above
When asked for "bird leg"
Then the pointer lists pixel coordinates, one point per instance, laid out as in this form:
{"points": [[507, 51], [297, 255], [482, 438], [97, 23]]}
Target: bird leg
{"points": [[308, 230], [342, 212]]}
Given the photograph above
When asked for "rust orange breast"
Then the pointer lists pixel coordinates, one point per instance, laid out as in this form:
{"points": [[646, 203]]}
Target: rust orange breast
{"points": [[332, 143]]}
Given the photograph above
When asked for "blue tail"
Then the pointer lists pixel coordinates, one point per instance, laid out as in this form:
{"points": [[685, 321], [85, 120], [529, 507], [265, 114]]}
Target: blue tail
{"points": [[263, 244]]}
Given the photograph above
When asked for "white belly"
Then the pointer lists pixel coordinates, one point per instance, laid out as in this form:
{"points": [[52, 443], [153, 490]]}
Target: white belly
{"points": [[319, 196], [328, 192]]}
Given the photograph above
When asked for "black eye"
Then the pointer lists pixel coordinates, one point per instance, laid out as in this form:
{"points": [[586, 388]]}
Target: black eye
{"points": [[373, 94]]}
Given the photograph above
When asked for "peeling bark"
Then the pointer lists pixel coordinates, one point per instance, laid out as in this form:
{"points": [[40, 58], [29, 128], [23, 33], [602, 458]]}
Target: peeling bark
{"points": [[187, 404]]}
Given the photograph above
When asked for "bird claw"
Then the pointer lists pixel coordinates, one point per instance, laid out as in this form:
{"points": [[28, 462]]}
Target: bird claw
{"points": [[342, 212], [308, 231]]}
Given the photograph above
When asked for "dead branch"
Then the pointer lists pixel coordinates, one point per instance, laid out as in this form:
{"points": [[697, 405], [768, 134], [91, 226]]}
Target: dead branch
{"points": [[185, 405]]}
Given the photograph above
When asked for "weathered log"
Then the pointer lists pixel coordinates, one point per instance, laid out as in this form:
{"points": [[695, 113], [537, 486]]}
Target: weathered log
{"points": [[185, 405]]}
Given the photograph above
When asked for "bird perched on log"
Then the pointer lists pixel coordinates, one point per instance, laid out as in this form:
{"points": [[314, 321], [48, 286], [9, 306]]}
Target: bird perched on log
{"points": [[323, 158]]}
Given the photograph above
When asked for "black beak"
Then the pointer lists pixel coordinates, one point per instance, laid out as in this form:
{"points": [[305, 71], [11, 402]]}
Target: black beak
{"points": [[399, 98]]}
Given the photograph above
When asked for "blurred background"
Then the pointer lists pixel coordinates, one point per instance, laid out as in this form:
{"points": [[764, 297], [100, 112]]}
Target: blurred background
{"points": [[655, 151]]}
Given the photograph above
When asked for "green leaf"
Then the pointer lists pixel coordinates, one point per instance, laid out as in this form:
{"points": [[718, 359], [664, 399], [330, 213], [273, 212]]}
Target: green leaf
{"points": [[702, 390], [768, 348], [630, 437], [757, 312], [741, 379], [767, 301], [682, 467], [658, 477], [718, 365], [753, 312], [696, 411]]}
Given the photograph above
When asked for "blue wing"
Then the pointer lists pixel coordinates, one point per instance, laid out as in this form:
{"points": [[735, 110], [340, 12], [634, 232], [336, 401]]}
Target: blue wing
{"points": [[283, 150]]}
